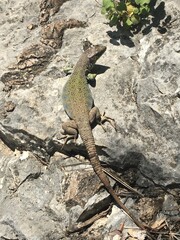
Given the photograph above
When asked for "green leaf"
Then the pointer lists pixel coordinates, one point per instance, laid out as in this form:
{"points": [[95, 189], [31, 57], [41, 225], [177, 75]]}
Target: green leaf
{"points": [[144, 10], [125, 12], [103, 10], [128, 22], [108, 4], [142, 2], [113, 21], [135, 19], [121, 6], [136, 11]]}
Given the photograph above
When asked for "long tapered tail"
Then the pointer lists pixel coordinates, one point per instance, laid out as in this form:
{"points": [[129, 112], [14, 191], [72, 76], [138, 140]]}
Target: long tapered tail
{"points": [[88, 139]]}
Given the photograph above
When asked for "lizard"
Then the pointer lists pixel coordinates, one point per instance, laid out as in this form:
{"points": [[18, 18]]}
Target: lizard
{"points": [[79, 105]]}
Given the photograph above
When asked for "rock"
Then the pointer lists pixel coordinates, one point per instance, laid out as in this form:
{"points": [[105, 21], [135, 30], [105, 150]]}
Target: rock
{"points": [[44, 187]]}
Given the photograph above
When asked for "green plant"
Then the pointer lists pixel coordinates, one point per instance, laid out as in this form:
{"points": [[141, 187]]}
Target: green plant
{"points": [[127, 13]]}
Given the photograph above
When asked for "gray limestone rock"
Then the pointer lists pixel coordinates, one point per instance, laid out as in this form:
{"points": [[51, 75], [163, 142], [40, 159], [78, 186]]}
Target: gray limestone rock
{"points": [[43, 187]]}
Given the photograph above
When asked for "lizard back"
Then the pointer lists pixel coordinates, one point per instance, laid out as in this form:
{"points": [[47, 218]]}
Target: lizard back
{"points": [[77, 97]]}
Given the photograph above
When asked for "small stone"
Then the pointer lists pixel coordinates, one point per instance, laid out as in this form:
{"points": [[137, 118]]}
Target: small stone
{"points": [[31, 26], [170, 206], [176, 47], [9, 106]]}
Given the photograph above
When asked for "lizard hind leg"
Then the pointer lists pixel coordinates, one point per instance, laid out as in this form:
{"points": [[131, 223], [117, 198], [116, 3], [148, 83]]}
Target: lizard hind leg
{"points": [[70, 131], [95, 116]]}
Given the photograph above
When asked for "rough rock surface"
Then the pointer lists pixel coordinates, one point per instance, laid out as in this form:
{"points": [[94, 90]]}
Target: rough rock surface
{"points": [[44, 188]]}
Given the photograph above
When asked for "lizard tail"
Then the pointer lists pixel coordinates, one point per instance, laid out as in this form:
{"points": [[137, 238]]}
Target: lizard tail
{"points": [[88, 139]]}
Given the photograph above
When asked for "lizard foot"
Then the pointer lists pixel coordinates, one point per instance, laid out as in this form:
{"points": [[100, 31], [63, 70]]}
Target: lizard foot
{"points": [[67, 138], [107, 119], [69, 132]]}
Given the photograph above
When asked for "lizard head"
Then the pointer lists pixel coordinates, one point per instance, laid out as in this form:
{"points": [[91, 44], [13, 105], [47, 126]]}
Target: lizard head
{"points": [[93, 52]]}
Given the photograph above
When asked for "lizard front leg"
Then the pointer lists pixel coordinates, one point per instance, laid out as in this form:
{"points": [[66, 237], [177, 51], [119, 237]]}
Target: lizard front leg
{"points": [[95, 116]]}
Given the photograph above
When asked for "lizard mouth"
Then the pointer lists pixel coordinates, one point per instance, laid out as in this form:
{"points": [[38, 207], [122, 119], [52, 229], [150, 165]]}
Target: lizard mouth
{"points": [[103, 49]]}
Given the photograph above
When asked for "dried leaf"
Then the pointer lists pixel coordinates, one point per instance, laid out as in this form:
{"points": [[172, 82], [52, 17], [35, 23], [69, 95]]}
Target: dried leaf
{"points": [[157, 224]]}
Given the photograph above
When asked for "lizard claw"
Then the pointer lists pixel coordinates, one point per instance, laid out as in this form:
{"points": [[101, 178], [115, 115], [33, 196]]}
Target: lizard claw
{"points": [[109, 120], [67, 138]]}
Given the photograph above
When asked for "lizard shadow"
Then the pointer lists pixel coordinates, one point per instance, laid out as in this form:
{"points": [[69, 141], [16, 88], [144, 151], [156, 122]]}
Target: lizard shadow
{"points": [[97, 69]]}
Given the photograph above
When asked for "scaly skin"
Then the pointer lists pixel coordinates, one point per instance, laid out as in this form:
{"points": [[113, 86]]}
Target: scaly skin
{"points": [[78, 104]]}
